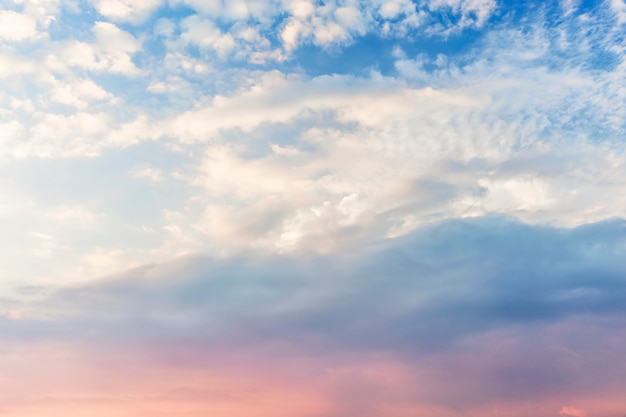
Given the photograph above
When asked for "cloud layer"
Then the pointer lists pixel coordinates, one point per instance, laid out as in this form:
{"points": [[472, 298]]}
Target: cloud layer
{"points": [[471, 315], [305, 208]]}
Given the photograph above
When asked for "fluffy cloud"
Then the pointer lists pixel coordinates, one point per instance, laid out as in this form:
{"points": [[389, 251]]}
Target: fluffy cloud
{"points": [[79, 93], [134, 11], [204, 33], [325, 25], [465, 141], [273, 153], [110, 51], [16, 26], [339, 22]]}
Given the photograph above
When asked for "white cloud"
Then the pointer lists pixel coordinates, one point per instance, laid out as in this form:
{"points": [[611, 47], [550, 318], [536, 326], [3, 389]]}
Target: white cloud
{"points": [[134, 11], [300, 8], [176, 62], [350, 17], [569, 6], [324, 25], [147, 173], [70, 54], [17, 26], [164, 27], [393, 8], [399, 135], [15, 66], [57, 135], [115, 47], [338, 22], [79, 93], [111, 51], [12, 132], [133, 132], [292, 32], [619, 9], [45, 246], [43, 11], [204, 33], [287, 162]]}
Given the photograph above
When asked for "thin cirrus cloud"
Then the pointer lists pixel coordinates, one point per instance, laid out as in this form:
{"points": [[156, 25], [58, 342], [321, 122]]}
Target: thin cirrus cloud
{"points": [[340, 208]]}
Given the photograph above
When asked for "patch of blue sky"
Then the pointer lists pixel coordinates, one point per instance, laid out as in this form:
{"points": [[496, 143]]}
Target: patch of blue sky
{"points": [[160, 28], [363, 55], [74, 23], [175, 12], [603, 60], [154, 48], [377, 52]]}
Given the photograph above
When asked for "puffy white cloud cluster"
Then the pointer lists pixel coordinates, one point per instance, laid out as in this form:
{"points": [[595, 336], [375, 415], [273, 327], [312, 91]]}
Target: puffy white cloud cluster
{"points": [[17, 26], [262, 154], [132, 11]]}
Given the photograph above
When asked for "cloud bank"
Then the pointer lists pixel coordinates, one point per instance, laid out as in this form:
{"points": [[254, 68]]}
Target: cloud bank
{"points": [[472, 315]]}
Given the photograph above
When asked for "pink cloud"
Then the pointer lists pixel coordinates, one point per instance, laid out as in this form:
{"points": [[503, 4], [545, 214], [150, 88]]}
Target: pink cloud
{"points": [[572, 411]]}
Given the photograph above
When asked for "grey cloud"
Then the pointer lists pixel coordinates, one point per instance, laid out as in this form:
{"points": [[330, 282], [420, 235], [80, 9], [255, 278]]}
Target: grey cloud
{"points": [[420, 292]]}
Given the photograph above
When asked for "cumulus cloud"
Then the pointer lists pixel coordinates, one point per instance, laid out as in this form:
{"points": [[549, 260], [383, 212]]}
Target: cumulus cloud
{"points": [[17, 26], [111, 51], [134, 11], [79, 93], [339, 22], [204, 33]]}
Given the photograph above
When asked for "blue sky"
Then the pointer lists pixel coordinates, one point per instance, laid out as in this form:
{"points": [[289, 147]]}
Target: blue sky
{"points": [[377, 194]]}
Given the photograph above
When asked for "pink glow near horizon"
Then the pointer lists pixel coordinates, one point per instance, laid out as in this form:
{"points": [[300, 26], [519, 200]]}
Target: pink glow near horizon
{"points": [[53, 380]]}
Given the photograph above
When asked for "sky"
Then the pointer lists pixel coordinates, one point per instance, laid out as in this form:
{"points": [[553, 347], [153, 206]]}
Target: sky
{"points": [[309, 208]]}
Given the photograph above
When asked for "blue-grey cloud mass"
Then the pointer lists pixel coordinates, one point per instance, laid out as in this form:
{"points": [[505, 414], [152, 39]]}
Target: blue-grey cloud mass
{"points": [[491, 308]]}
